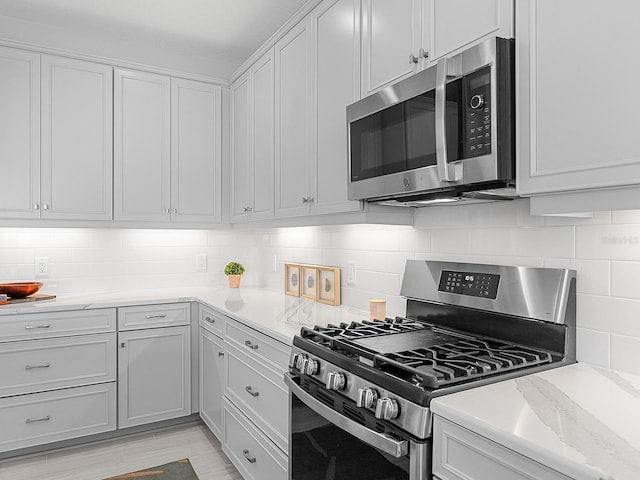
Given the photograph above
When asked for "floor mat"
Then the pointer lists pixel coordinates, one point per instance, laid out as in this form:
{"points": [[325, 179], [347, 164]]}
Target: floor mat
{"points": [[178, 470]]}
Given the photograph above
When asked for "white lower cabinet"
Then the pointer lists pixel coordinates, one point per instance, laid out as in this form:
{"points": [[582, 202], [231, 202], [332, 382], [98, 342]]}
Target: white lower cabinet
{"points": [[211, 376], [154, 368], [251, 451], [57, 377], [461, 454]]}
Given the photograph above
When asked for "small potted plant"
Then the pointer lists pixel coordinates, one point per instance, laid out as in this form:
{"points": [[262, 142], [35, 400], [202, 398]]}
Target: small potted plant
{"points": [[234, 271]]}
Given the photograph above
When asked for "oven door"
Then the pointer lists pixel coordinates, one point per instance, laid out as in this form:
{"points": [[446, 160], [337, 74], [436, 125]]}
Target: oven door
{"points": [[324, 443]]}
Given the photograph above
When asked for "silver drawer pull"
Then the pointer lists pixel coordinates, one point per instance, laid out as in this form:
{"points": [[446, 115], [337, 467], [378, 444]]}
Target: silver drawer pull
{"points": [[250, 391], [220, 354], [210, 320], [31, 367], [32, 327], [248, 457], [156, 316], [35, 420], [252, 346]]}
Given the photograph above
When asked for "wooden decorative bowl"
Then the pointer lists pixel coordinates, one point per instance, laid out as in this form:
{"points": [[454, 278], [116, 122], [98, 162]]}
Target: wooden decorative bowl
{"points": [[20, 289]]}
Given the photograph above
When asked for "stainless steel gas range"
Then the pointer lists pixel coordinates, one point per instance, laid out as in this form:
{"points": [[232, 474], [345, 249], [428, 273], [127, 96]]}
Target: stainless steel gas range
{"points": [[360, 392]]}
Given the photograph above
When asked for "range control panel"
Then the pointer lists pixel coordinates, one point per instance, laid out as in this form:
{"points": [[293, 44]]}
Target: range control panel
{"points": [[483, 285]]}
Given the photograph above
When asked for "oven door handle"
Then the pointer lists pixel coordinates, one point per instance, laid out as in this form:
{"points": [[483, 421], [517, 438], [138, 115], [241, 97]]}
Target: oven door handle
{"points": [[397, 448]]}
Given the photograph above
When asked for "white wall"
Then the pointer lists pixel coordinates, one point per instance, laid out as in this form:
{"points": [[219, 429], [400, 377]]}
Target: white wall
{"points": [[605, 251]]}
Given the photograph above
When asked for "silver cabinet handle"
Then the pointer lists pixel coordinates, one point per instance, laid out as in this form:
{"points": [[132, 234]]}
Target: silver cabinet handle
{"points": [[307, 200], [166, 210], [33, 327], [413, 58], [220, 354], [156, 316], [250, 391], [34, 420], [423, 53], [31, 367], [36, 206], [210, 320], [45, 206], [248, 209], [174, 211], [248, 457], [252, 346]]}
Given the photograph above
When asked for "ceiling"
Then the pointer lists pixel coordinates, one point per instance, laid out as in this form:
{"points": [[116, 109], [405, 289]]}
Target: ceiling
{"points": [[222, 27]]}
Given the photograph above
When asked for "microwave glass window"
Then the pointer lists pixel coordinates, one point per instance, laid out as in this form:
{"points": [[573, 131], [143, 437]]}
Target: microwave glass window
{"points": [[396, 139], [454, 120]]}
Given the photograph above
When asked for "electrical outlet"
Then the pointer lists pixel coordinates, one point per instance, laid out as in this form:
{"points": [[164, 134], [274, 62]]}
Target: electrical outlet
{"points": [[201, 263], [351, 273], [42, 267]]}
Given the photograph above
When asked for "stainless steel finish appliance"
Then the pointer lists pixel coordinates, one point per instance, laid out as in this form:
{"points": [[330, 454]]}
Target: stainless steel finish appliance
{"points": [[446, 132], [362, 390]]}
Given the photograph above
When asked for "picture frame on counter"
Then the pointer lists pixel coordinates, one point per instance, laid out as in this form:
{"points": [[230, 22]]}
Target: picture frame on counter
{"points": [[292, 279], [309, 287], [328, 285]]}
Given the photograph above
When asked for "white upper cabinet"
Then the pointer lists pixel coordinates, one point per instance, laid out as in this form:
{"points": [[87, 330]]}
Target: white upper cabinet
{"points": [[577, 113], [458, 24], [252, 147], [293, 103], [142, 146], [337, 82], [19, 133], [195, 152], [76, 145], [395, 37]]}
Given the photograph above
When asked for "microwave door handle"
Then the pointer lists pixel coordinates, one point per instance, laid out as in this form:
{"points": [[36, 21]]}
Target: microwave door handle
{"points": [[396, 448], [447, 172]]}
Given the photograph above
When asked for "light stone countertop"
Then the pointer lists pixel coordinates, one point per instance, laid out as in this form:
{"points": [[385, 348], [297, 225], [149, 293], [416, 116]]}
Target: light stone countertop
{"points": [[270, 311], [580, 420]]}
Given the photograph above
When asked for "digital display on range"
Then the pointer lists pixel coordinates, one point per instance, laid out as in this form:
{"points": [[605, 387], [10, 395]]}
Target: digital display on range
{"points": [[483, 285]]}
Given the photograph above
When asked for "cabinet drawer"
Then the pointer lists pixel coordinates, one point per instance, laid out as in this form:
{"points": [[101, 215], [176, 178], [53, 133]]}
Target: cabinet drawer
{"points": [[212, 321], [149, 316], [260, 393], [56, 324], [37, 365], [39, 418], [251, 452], [460, 454], [258, 345]]}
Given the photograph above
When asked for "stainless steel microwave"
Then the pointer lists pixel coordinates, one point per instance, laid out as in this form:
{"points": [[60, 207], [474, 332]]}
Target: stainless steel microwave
{"points": [[446, 132]]}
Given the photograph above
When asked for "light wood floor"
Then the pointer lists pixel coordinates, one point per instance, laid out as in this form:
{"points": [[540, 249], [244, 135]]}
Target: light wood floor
{"points": [[113, 457]]}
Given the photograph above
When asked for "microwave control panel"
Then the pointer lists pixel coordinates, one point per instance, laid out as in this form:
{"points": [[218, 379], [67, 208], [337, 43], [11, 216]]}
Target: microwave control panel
{"points": [[483, 285], [478, 113]]}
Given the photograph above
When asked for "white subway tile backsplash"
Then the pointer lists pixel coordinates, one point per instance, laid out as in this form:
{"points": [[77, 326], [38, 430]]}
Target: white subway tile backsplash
{"points": [[387, 283], [608, 242], [624, 354], [592, 275], [592, 347], [625, 216], [545, 242], [450, 241], [493, 241], [609, 314], [625, 279]]}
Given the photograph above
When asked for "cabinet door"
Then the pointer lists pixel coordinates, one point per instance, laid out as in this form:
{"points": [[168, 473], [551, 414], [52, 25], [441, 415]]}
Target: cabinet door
{"points": [[262, 135], [391, 32], [458, 23], [571, 136], [337, 85], [241, 165], [211, 380], [293, 62], [196, 130], [154, 375], [19, 133], [141, 146], [76, 139]]}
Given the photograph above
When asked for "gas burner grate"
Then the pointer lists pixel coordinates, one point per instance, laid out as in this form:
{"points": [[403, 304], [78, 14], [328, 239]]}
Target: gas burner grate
{"points": [[454, 362]]}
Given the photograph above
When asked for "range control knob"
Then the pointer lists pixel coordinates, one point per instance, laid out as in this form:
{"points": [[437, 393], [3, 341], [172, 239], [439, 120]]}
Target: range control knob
{"points": [[387, 409], [336, 381], [309, 366], [476, 101], [367, 397], [297, 359]]}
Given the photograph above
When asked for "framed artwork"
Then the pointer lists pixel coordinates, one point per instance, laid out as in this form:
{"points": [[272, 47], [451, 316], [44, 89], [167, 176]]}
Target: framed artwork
{"points": [[309, 288], [329, 285], [292, 279]]}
